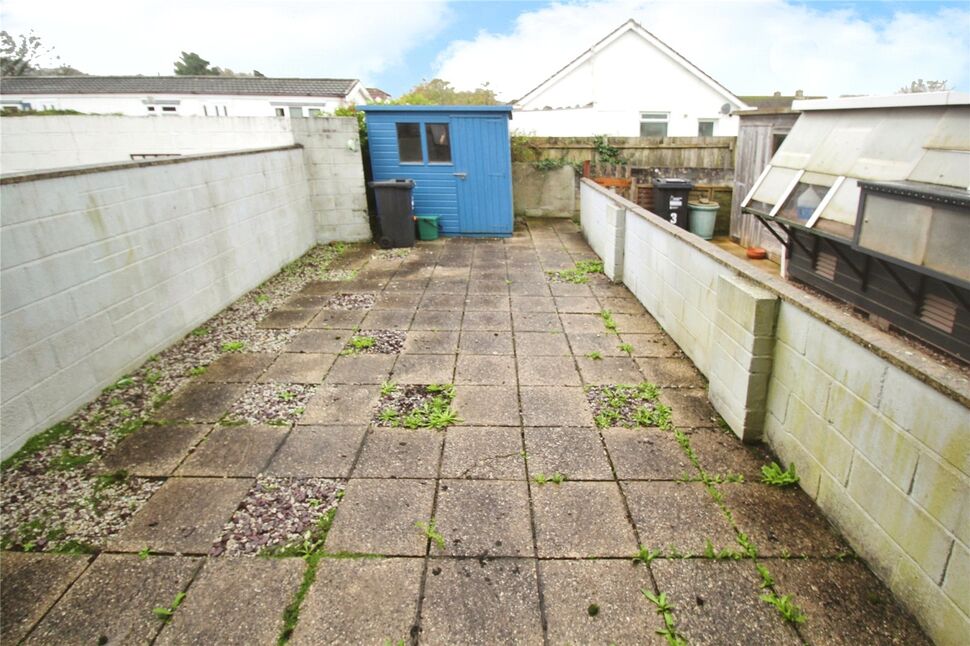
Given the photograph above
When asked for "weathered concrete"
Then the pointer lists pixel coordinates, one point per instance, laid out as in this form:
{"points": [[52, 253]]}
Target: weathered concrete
{"points": [[549, 193]]}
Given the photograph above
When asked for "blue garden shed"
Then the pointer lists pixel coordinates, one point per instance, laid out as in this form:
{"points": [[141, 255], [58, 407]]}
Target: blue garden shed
{"points": [[458, 157]]}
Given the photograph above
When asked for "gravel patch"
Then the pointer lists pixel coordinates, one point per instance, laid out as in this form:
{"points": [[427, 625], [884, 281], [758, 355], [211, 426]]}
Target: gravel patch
{"points": [[350, 302], [385, 342], [392, 254], [416, 406], [271, 403], [47, 488], [629, 406], [278, 513]]}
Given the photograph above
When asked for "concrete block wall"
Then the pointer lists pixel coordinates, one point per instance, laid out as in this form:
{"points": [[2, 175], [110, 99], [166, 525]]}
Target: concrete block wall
{"points": [[103, 267], [879, 435], [46, 142], [331, 148], [543, 193]]}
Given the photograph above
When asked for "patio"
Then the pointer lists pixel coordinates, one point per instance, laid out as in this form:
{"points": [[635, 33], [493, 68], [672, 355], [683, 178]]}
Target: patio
{"points": [[292, 490]]}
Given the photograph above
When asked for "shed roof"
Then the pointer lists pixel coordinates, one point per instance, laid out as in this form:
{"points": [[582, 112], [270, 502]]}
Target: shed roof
{"points": [[504, 109], [226, 85]]}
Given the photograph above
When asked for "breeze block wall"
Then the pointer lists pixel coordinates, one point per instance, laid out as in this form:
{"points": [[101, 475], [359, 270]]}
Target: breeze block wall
{"points": [[103, 266], [879, 433]]}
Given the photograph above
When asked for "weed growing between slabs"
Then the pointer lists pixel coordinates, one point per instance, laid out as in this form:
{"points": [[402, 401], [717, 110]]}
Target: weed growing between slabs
{"points": [[375, 342], [274, 404], [578, 275], [417, 406], [629, 406], [350, 302]]}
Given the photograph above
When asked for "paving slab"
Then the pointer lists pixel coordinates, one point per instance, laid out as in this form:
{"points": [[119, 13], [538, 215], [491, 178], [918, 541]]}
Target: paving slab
{"points": [[576, 453], [234, 451], [239, 367], [487, 303], [431, 342], [318, 452], [845, 603], [400, 453], [341, 405], [337, 319], [489, 601], [533, 303], [360, 601], [487, 405], [185, 515], [675, 515], [320, 341], [622, 305], [652, 345], [541, 344], [112, 602], [488, 286], [457, 286], [484, 342], [667, 372], [483, 518], [609, 370], [523, 287], [623, 617], [287, 318], [388, 320], [361, 369], [433, 300], [198, 402], [782, 521], [379, 516], [718, 602], [548, 371], [636, 324], [536, 321], [32, 583], [647, 454], [555, 406], [486, 370], [398, 300], [568, 289], [154, 451], [218, 610], [298, 368], [322, 288], [606, 344], [424, 369], [483, 453], [577, 304], [437, 320], [416, 285], [723, 454], [581, 520], [487, 321], [690, 407], [583, 324]]}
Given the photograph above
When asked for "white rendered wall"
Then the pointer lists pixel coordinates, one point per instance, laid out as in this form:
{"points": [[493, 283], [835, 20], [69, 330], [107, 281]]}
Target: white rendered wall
{"points": [[884, 454], [101, 269], [606, 94]]}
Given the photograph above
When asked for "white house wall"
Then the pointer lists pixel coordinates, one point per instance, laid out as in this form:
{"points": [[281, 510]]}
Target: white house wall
{"points": [[627, 77]]}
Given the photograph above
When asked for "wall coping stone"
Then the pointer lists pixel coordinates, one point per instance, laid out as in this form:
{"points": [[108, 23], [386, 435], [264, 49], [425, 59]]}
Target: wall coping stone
{"points": [[34, 176], [904, 356]]}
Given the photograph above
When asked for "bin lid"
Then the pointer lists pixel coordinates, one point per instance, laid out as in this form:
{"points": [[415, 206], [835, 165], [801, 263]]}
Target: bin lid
{"points": [[672, 182], [704, 205], [392, 183]]}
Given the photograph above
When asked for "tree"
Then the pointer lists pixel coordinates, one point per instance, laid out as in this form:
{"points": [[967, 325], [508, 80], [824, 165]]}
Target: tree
{"points": [[18, 54], [440, 92], [919, 85], [192, 64]]}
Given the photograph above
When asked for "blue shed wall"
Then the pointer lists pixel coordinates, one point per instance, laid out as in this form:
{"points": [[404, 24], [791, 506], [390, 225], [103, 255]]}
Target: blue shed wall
{"points": [[436, 191]]}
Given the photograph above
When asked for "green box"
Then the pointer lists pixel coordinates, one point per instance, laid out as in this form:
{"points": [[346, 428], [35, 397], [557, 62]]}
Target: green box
{"points": [[427, 227]]}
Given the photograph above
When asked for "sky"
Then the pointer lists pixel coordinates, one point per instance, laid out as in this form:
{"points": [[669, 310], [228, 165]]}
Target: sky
{"points": [[822, 48]]}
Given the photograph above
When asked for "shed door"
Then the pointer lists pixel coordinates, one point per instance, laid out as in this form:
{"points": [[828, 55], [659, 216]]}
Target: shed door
{"points": [[482, 174]]}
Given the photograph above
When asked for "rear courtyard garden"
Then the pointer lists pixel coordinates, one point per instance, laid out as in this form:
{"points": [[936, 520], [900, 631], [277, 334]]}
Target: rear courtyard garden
{"points": [[474, 441]]}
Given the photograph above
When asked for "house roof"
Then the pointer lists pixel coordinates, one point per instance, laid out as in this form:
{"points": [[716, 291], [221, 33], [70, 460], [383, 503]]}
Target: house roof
{"points": [[378, 94], [633, 25], [232, 85]]}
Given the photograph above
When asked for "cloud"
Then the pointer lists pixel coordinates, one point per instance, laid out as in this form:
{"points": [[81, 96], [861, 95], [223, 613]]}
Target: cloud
{"points": [[285, 38], [751, 48]]}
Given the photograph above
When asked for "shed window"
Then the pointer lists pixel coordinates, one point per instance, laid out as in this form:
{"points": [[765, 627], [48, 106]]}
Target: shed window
{"points": [[409, 142], [439, 143], [705, 127], [653, 124]]}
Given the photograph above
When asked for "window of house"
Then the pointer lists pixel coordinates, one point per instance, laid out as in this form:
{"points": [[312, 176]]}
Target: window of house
{"points": [[151, 108], [168, 108], [409, 143], [653, 124], [439, 143], [280, 112], [296, 111], [705, 127], [777, 139], [313, 112]]}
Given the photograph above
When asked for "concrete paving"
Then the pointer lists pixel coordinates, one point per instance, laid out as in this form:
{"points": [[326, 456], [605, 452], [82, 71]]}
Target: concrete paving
{"points": [[511, 557]]}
